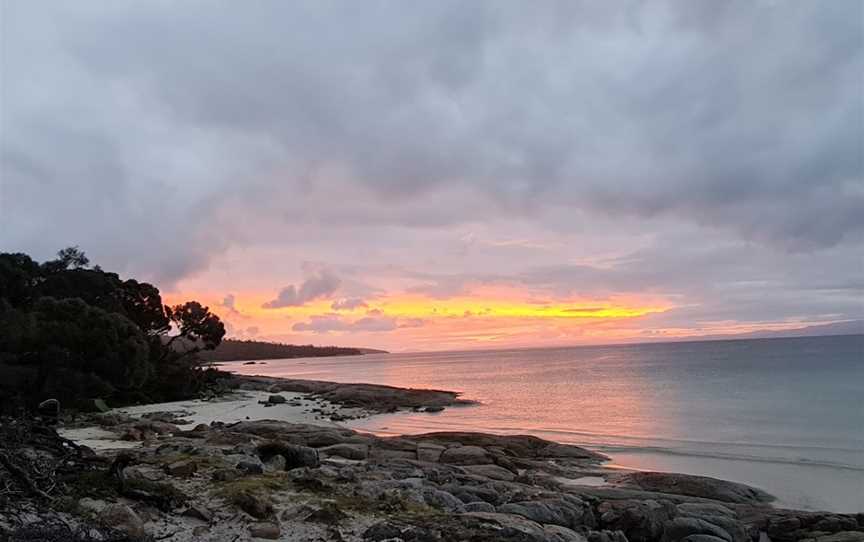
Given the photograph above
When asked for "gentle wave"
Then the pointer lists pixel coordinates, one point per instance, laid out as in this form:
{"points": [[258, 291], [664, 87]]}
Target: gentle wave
{"points": [[611, 449], [611, 443], [684, 441]]}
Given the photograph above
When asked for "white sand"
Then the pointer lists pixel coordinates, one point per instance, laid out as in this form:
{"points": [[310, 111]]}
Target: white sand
{"points": [[96, 438], [242, 406], [239, 406]]}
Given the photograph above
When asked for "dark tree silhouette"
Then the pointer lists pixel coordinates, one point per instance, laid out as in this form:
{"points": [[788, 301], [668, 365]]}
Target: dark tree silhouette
{"points": [[142, 304], [18, 277], [80, 330], [71, 336], [69, 257], [197, 325]]}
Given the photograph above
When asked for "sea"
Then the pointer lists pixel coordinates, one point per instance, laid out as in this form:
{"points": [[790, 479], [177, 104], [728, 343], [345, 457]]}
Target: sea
{"points": [[785, 415]]}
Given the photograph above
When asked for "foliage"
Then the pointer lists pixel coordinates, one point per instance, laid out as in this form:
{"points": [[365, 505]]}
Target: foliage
{"points": [[18, 276], [70, 335], [79, 332], [197, 325], [236, 350]]}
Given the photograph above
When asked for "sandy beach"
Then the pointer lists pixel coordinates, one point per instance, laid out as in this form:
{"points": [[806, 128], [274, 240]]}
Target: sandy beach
{"points": [[234, 407]]}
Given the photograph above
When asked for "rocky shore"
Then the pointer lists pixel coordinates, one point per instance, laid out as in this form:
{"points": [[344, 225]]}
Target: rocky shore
{"points": [[238, 479], [375, 398]]}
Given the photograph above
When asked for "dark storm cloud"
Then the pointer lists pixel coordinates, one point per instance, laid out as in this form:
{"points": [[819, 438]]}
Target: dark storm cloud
{"points": [[140, 130]]}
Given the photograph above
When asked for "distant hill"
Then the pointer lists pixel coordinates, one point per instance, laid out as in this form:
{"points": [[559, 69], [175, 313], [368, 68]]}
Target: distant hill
{"points": [[235, 350], [851, 327]]}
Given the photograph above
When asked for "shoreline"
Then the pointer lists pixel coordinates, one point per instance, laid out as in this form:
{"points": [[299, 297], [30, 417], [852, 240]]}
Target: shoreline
{"points": [[464, 484]]}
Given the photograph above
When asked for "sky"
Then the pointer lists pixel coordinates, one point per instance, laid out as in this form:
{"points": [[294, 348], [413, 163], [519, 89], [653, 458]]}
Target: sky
{"points": [[447, 175]]}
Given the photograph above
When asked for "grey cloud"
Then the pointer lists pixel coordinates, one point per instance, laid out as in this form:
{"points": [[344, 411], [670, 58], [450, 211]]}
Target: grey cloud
{"points": [[745, 118], [230, 304], [329, 323], [321, 284], [709, 279], [234, 332], [411, 322], [348, 303], [157, 136]]}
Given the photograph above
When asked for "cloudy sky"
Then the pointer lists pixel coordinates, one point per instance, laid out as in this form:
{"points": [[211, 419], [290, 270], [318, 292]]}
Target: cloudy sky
{"points": [[444, 175]]}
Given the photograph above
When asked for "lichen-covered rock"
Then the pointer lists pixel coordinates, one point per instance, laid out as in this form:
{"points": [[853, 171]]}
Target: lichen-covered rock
{"points": [[694, 509], [269, 531], [493, 472], [517, 446], [182, 469], [198, 512], [474, 493], [93, 506], [695, 486], [606, 536], [253, 504], [275, 463], [640, 521], [479, 506], [124, 519], [429, 452], [494, 527], [329, 514], [466, 455], [566, 512], [842, 536], [225, 475], [681, 527], [563, 534], [295, 456], [441, 499], [347, 451]]}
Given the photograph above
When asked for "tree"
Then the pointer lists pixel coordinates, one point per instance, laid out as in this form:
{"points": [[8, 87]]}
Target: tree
{"points": [[142, 303], [19, 274], [198, 327], [81, 327], [72, 257], [95, 288], [71, 337], [139, 301]]}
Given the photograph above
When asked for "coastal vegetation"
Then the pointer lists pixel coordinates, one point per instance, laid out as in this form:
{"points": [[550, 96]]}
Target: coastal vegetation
{"points": [[242, 350], [72, 331]]}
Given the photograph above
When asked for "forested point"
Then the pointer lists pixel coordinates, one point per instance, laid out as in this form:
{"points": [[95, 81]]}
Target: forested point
{"points": [[76, 333], [244, 350]]}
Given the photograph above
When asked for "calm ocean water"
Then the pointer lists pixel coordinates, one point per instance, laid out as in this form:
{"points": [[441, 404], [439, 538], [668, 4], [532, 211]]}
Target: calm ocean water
{"points": [[786, 415]]}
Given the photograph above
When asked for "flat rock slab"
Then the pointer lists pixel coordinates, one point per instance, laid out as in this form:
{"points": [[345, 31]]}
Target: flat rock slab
{"points": [[466, 455], [493, 472], [694, 486]]}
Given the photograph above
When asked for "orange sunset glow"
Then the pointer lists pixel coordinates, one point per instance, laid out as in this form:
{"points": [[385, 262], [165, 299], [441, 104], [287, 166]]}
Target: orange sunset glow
{"points": [[491, 316], [486, 316]]}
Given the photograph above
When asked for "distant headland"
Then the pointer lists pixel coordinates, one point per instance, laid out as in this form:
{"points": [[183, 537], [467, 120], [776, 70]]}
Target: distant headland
{"points": [[243, 350]]}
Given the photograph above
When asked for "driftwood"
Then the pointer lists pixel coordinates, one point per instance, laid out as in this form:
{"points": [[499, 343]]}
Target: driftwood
{"points": [[37, 468], [21, 475], [34, 458], [52, 529]]}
